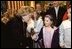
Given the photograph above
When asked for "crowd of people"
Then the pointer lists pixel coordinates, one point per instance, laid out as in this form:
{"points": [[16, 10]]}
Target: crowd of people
{"points": [[37, 28]]}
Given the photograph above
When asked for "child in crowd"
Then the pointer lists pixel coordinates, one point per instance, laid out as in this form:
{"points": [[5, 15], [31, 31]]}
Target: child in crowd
{"points": [[48, 34]]}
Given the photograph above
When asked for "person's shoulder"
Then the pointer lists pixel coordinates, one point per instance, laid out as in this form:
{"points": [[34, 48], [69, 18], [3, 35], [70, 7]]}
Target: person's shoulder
{"points": [[66, 24], [56, 31], [40, 18], [65, 21], [63, 8]]}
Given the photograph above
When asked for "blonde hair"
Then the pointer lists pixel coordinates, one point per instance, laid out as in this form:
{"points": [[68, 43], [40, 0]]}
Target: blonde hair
{"points": [[24, 9]]}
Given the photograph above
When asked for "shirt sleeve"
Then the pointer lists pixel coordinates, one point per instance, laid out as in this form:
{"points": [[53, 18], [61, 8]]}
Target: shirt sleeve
{"points": [[39, 26], [30, 26], [61, 37]]}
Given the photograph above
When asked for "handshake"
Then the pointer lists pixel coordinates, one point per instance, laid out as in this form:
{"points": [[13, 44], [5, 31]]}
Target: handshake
{"points": [[34, 35]]}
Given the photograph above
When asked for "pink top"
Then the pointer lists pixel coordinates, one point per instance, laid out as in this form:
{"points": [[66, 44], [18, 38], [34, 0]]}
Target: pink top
{"points": [[47, 37]]}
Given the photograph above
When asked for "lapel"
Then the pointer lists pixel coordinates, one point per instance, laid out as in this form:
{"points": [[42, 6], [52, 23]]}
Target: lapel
{"points": [[54, 13], [59, 12]]}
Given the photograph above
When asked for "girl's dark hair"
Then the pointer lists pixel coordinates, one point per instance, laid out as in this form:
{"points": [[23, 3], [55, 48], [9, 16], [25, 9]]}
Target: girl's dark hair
{"points": [[51, 19]]}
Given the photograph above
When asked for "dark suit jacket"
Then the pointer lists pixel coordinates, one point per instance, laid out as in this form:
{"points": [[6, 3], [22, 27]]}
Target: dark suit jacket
{"points": [[55, 39], [3, 35], [15, 33], [58, 19]]}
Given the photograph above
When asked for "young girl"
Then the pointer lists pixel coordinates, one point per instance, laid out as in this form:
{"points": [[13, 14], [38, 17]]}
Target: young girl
{"points": [[65, 31], [48, 34]]}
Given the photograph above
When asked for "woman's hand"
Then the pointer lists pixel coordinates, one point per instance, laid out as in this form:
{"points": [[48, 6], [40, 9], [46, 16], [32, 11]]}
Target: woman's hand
{"points": [[35, 37], [62, 45]]}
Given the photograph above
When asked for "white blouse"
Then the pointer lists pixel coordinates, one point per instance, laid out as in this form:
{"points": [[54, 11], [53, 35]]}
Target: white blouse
{"points": [[65, 34]]}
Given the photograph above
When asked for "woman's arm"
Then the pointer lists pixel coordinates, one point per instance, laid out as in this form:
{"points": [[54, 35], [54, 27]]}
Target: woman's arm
{"points": [[61, 37]]}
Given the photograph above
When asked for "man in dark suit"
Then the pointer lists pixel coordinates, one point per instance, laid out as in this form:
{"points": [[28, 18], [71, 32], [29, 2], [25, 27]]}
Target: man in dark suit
{"points": [[57, 13]]}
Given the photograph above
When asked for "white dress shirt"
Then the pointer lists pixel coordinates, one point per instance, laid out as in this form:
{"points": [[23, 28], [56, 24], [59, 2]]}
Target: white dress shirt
{"points": [[56, 10]]}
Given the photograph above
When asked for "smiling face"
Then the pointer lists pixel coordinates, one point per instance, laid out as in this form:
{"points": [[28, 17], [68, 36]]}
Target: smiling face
{"points": [[47, 21]]}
